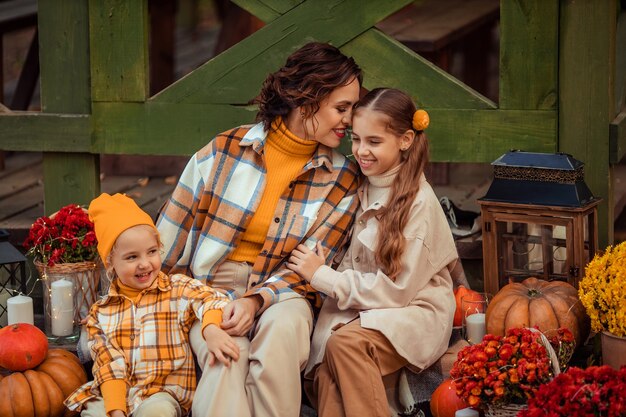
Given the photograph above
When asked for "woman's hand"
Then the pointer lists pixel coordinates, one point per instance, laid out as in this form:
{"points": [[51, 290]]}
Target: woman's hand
{"points": [[239, 315], [221, 346], [305, 262]]}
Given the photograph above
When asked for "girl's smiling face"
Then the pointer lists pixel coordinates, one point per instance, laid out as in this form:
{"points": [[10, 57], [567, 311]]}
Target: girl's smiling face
{"points": [[377, 148], [136, 258]]}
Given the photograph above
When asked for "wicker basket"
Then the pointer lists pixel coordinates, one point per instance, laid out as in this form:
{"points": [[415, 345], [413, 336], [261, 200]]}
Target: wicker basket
{"points": [[506, 410], [511, 410]]}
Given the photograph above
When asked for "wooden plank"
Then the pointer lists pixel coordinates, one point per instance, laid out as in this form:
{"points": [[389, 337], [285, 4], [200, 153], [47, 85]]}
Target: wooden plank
{"points": [[69, 178], [34, 131], [149, 193], [619, 90], [529, 54], [64, 57], [586, 58], [428, 26], [617, 138], [235, 76], [21, 201], [429, 85], [19, 162], [19, 225], [267, 10], [173, 129], [27, 177], [118, 35], [181, 129], [619, 174], [17, 14], [65, 88], [457, 135]]}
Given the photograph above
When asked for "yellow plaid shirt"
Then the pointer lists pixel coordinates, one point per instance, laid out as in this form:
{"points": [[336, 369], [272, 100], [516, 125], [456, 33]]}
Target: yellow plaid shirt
{"points": [[146, 342]]}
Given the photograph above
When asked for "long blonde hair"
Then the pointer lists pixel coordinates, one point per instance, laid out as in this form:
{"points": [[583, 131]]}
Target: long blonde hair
{"points": [[399, 109]]}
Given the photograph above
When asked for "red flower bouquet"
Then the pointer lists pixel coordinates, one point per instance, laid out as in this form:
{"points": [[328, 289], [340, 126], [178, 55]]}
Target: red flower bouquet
{"points": [[509, 369], [65, 237], [594, 391]]}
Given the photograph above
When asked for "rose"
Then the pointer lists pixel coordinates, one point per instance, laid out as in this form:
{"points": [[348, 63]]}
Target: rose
{"points": [[67, 236]]}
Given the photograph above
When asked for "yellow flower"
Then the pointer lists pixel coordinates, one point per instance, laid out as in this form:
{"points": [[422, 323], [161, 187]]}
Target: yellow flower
{"points": [[602, 293]]}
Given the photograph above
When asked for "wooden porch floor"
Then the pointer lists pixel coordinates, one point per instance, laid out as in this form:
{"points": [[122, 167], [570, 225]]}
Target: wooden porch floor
{"points": [[22, 192]]}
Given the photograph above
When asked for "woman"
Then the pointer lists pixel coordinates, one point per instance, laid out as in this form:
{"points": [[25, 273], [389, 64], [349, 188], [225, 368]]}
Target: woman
{"points": [[243, 203]]}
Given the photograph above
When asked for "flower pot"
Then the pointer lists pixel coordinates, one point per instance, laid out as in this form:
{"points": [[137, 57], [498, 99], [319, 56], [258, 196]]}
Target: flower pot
{"points": [[613, 350]]}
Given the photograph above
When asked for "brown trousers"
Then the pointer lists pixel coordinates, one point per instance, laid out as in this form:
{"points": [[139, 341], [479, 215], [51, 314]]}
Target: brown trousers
{"points": [[349, 381]]}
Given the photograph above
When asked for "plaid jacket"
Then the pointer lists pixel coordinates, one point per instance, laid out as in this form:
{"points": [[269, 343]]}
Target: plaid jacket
{"points": [[147, 343], [219, 191]]}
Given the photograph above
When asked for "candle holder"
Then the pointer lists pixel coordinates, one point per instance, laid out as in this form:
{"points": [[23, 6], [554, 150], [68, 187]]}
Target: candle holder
{"points": [[69, 290], [474, 307]]}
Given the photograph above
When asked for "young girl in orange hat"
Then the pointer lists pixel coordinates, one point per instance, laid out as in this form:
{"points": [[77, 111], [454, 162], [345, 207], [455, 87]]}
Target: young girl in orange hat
{"points": [[390, 303], [139, 332]]}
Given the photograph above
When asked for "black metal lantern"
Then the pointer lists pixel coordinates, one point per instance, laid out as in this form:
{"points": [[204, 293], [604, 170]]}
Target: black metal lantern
{"points": [[539, 219], [12, 276]]}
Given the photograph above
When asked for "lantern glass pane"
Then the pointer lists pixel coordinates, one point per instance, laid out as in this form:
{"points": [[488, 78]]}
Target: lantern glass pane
{"points": [[531, 250]]}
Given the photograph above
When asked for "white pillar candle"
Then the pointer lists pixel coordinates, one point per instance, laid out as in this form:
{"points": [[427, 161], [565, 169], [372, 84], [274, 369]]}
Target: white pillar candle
{"points": [[475, 327], [466, 412], [4, 314], [62, 306], [20, 310]]}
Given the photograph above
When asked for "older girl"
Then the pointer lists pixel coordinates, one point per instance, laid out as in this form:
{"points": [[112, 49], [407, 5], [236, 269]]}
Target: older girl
{"points": [[390, 303]]}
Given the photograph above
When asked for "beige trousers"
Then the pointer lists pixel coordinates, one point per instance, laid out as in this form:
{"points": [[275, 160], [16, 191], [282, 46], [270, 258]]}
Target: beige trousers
{"points": [[265, 381], [160, 404], [349, 381]]}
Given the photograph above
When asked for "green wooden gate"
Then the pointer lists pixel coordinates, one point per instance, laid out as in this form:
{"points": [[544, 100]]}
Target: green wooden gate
{"points": [[561, 86]]}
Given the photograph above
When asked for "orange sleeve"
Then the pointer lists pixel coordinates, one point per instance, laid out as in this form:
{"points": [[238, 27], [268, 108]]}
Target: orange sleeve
{"points": [[114, 394]]}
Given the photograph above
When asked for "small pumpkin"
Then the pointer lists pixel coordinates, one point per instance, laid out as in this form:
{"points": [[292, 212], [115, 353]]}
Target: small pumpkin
{"points": [[40, 392], [547, 305], [460, 292], [445, 402], [22, 346]]}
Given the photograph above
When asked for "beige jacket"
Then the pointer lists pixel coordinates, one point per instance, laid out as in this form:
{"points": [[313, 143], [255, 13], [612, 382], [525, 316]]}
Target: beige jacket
{"points": [[415, 311]]}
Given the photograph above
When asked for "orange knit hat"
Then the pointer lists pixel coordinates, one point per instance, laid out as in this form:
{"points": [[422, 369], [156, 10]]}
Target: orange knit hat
{"points": [[111, 215]]}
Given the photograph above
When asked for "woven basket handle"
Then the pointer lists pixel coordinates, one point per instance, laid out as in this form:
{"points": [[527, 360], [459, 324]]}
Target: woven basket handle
{"points": [[551, 353]]}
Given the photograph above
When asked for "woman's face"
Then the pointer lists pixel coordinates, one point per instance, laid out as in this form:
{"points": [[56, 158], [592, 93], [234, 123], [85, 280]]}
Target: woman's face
{"points": [[376, 148], [136, 258], [328, 125]]}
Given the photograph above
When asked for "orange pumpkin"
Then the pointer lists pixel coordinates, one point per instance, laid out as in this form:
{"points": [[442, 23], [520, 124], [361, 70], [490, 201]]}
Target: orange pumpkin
{"points": [[460, 292], [40, 392], [444, 402], [22, 346], [548, 305]]}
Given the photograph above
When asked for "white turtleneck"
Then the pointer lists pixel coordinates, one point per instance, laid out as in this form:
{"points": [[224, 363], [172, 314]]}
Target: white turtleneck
{"points": [[379, 186]]}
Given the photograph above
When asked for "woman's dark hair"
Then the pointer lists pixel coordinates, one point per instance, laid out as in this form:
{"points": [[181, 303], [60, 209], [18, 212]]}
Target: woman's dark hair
{"points": [[310, 74], [399, 109]]}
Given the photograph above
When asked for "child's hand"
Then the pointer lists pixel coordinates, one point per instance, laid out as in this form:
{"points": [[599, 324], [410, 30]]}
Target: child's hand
{"points": [[221, 346], [117, 413], [238, 315], [305, 262]]}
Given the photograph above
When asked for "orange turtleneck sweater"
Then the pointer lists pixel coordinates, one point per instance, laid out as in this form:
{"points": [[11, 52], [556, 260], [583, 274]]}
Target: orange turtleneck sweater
{"points": [[285, 155]]}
